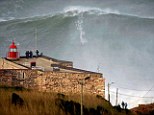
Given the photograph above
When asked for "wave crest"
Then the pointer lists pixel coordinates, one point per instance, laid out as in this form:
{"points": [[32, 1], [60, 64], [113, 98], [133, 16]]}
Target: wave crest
{"points": [[76, 10], [72, 11]]}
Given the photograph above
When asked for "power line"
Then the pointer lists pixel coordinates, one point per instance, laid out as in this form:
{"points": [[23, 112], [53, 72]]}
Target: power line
{"points": [[132, 89], [134, 96], [130, 95], [149, 90], [145, 94]]}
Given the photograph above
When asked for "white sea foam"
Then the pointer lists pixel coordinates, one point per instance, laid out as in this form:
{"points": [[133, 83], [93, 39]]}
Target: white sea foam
{"points": [[6, 19], [77, 10], [79, 25], [2, 20], [80, 9]]}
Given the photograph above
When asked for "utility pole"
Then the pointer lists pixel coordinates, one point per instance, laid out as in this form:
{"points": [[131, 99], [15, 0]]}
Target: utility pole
{"points": [[82, 97], [36, 39], [82, 82], [117, 96], [98, 68], [108, 92]]}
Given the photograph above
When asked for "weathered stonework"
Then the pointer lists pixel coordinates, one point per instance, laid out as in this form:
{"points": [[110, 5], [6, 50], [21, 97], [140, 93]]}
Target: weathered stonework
{"points": [[60, 82]]}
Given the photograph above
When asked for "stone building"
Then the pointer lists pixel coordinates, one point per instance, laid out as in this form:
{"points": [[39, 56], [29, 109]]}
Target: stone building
{"points": [[43, 73]]}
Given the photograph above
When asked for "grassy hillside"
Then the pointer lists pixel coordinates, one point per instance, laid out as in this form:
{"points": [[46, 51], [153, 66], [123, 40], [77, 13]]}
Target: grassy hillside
{"points": [[39, 103], [146, 109]]}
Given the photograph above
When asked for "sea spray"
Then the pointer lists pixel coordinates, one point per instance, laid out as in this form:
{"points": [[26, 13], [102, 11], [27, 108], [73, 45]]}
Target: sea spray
{"points": [[79, 25]]}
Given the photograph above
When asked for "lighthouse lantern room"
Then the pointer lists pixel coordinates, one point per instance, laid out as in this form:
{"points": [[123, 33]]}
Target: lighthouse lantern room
{"points": [[13, 53]]}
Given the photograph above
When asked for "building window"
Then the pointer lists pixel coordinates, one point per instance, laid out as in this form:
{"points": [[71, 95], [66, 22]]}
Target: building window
{"points": [[13, 50]]}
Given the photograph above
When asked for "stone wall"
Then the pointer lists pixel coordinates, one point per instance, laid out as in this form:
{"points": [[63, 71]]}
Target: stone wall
{"points": [[55, 81], [71, 82], [18, 77]]}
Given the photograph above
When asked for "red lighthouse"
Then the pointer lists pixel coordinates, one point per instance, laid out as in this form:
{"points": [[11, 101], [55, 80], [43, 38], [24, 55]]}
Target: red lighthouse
{"points": [[13, 53]]}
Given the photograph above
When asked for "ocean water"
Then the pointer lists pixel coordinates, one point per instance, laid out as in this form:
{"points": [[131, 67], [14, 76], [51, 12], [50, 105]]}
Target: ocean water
{"points": [[114, 37]]}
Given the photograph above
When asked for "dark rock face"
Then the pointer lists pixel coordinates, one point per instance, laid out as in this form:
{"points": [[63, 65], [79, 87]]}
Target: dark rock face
{"points": [[73, 108], [17, 100]]}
